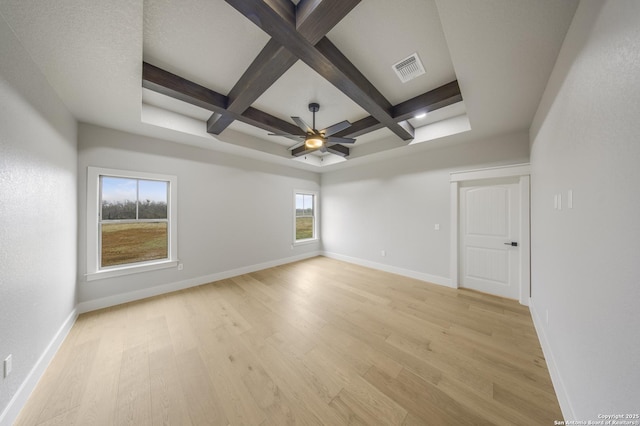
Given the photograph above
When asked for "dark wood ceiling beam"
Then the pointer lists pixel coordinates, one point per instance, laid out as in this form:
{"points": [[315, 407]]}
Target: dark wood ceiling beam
{"points": [[161, 81], [340, 150], [313, 19], [302, 150], [261, 74], [432, 100], [218, 122], [337, 149], [360, 127], [303, 13], [260, 119], [273, 61], [268, 122], [346, 77], [285, 8], [270, 64], [325, 59]]}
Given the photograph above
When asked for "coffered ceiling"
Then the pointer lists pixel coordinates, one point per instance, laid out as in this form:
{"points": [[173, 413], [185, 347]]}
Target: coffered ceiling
{"points": [[223, 74]]}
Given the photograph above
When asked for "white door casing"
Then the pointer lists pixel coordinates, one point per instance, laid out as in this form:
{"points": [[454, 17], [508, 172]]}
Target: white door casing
{"points": [[488, 226], [521, 174]]}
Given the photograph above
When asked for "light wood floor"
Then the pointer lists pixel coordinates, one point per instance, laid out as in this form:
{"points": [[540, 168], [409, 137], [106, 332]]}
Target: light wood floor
{"points": [[314, 342]]}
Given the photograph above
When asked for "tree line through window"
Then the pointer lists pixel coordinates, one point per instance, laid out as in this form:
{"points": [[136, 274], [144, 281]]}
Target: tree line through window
{"points": [[305, 216], [134, 225]]}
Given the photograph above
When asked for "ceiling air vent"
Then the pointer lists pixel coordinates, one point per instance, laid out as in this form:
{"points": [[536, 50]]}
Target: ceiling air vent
{"points": [[409, 68]]}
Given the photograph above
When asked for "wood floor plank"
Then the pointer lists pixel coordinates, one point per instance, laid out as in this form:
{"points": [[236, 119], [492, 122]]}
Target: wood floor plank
{"points": [[221, 352], [359, 355], [99, 401], [483, 405], [532, 406], [264, 391], [71, 380], [168, 403], [203, 405], [444, 363], [134, 390], [300, 390], [348, 415], [370, 404], [256, 288], [412, 397], [314, 342]]}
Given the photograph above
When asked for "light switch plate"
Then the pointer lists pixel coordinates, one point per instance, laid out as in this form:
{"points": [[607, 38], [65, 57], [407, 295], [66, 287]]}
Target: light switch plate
{"points": [[8, 365]]}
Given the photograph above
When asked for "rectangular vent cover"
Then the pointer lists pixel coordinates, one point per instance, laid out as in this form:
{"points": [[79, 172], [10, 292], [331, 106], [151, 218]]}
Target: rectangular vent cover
{"points": [[409, 68]]}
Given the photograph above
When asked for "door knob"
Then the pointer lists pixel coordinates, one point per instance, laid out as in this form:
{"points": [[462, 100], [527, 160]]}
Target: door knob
{"points": [[512, 243]]}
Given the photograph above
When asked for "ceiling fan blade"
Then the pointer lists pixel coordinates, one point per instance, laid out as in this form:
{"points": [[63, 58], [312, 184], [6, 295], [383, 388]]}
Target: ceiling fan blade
{"points": [[303, 125], [292, 147], [331, 130], [288, 136], [334, 139]]}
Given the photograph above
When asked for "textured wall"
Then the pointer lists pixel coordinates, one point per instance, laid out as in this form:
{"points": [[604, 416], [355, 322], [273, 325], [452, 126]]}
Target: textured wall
{"points": [[37, 213], [585, 269], [232, 212], [392, 205]]}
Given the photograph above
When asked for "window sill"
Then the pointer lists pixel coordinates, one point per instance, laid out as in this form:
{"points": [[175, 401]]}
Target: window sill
{"points": [[128, 270], [305, 242]]}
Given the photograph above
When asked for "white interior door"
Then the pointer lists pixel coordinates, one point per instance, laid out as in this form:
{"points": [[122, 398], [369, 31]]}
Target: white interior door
{"points": [[489, 228]]}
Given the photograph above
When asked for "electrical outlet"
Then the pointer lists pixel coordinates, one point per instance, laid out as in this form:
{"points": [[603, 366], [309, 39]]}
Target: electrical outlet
{"points": [[383, 253], [8, 365], [180, 266], [436, 227]]}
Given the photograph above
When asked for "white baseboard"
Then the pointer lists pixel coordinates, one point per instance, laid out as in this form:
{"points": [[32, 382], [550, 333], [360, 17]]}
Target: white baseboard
{"points": [[12, 410], [435, 279], [105, 302], [554, 372]]}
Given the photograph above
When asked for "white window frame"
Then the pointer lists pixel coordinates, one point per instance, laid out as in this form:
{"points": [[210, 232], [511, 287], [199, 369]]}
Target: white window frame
{"points": [[316, 217], [94, 271]]}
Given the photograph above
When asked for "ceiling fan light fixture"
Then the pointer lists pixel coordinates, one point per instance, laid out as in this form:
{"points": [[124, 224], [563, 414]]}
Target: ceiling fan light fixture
{"points": [[314, 142]]}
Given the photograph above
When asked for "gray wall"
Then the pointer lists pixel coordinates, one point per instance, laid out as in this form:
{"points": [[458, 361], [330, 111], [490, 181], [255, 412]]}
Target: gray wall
{"points": [[37, 217], [586, 260], [393, 205], [232, 212]]}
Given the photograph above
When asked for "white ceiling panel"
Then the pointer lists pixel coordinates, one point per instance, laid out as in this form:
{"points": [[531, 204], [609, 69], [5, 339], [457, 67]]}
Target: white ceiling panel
{"points": [[379, 33], [205, 41], [299, 86]]}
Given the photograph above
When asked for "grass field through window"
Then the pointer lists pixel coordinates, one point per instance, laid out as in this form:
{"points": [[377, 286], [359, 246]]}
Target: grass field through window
{"points": [[124, 243], [304, 228]]}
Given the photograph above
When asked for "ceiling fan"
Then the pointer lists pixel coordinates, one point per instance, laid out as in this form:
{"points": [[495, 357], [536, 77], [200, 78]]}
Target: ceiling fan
{"points": [[316, 139]]}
